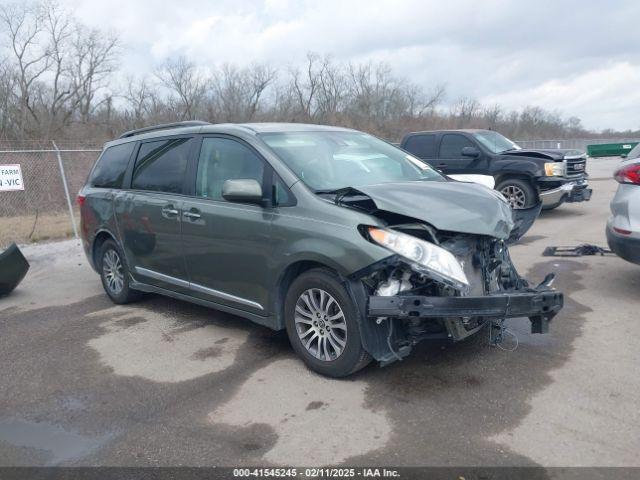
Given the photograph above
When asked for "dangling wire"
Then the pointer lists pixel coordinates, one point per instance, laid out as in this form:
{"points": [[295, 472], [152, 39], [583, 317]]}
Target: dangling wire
{"points": [[495, 341], [389, 339]]}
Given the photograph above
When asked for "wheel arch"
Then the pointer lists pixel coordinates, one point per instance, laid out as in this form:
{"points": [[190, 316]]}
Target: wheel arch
{"points": [[515, 175], [289, 274], [99, 239], [523, 178]]}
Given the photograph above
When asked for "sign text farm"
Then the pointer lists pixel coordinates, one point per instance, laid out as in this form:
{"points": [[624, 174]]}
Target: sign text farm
{"points": [[10, 178]]}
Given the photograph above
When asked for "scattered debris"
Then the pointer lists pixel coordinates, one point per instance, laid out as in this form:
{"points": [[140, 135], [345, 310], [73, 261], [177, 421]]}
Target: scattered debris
{"points": [[578, 251], [13, 268]]}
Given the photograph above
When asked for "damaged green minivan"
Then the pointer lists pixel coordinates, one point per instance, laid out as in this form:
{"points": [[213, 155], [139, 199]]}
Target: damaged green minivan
{"points": [[356, 248]]}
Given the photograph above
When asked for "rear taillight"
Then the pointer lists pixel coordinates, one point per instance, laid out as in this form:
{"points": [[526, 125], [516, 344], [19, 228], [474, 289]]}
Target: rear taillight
{"points": [[80, 199], [621, 231], [628, 174]]}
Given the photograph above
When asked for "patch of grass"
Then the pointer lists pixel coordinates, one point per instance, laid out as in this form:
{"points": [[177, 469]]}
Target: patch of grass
{"points": [[32, 229]]}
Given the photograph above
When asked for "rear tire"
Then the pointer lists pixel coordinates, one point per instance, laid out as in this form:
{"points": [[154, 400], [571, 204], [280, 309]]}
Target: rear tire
{"points": [[519, 193], [115, 275], [322, 324]]}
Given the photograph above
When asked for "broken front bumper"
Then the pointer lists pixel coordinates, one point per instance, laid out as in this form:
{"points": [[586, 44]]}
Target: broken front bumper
{"points": [[576, 191], [539, 305]]}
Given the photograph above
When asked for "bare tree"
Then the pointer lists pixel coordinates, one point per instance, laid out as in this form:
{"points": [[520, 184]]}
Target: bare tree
{"points": [[25, 29], [138, 95], [59, 29], [8, 82], [182, 78], [332, 90], [94, 59], [239, 91], [465, 110], [305, 85], [56, 72], [492, 116]]}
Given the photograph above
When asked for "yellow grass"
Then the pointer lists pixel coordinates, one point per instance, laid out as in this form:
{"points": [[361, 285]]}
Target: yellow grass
{"points": [[26, 229]]}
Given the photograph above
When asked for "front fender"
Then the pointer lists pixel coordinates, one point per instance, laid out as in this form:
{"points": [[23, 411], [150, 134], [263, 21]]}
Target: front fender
{"points": [[514, 166]]}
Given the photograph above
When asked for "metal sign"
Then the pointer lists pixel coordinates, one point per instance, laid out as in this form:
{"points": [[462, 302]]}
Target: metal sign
{"points": [[11, 178]]}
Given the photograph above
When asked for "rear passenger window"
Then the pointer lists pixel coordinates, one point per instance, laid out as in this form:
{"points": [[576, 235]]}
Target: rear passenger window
{"points": [[423, 146], [161, 165], [111, 166], [452, 145], [222, 159]]}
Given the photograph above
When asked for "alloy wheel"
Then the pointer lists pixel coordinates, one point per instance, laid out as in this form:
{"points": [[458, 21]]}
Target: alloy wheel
{"points": [[516, 197], [320, 324], [113, 271]]}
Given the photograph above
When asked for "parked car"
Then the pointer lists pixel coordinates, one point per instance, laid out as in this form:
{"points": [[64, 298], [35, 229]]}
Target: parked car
{"points": [[524, 177], [356, 248], [623, 227]]}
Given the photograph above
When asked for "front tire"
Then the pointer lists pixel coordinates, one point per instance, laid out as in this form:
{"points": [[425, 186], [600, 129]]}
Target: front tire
{"points": [[322, 324], [519, 193], [114, 274]]}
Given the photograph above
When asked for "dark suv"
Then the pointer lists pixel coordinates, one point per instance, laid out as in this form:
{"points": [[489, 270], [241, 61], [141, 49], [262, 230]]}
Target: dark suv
{"points": [[357, 249], [523, 176]]}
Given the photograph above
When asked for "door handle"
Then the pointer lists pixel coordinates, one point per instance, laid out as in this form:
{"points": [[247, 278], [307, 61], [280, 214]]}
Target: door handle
{"points": [[170, 211], [192, 214]]}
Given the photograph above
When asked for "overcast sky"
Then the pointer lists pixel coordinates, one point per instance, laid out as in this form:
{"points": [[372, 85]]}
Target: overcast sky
{"points": [[580, 58]]}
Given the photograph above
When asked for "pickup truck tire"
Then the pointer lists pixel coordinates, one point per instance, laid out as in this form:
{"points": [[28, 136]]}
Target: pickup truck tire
{"points": [[322, 324], [519, 193], [115, 275]]}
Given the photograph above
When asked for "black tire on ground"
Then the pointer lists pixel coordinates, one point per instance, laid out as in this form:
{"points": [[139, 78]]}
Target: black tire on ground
{"points": [[118, 290], [325, 360], [520, 193]]}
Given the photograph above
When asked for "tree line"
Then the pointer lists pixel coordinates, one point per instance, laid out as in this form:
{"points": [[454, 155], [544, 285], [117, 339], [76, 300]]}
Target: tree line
{"points": [[60, 79]]}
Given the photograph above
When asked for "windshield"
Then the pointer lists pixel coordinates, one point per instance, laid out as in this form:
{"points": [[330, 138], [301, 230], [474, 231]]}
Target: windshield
{"points": [[327, 161], [495, 142]]}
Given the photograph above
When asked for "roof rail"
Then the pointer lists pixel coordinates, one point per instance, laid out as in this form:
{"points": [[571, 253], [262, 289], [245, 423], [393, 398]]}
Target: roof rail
{"points": [[164, 126]]}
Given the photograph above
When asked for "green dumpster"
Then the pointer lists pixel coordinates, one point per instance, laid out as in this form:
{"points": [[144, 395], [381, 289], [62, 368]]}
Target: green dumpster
{"points": [[610, 149]]}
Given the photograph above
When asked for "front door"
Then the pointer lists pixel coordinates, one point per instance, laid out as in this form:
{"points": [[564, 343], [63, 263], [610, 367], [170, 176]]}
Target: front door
{"points": [[227, 245], [450, 159], [149, 213]]}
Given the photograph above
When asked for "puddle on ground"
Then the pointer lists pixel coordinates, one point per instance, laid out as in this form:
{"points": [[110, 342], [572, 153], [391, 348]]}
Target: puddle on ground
{"points": [[61, 444], [140, 342], [318, 420], [521, 328]]}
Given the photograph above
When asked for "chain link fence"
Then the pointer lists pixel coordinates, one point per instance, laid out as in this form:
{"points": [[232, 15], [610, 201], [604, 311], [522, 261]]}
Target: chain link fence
{"points": [[575, 143], [46, 208]]}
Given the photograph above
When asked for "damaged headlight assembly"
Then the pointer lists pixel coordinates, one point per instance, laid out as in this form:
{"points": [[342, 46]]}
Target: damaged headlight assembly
{"points": [[424, 257]]}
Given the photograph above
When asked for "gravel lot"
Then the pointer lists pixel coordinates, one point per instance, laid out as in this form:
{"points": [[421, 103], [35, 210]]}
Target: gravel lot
{"points": [[164, 382]]}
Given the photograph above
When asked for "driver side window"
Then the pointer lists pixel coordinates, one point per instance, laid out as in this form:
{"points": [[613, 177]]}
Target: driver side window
{"points": [[452, 145], [223, 159]]}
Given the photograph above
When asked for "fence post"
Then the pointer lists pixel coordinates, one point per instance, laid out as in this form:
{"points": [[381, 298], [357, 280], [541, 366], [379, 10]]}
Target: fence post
{"points": [[66, 190]]}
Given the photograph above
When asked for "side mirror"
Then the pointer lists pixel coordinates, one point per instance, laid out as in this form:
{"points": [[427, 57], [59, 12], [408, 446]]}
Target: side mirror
{"points": [[624, 155], [242, 190], [470, 152]]}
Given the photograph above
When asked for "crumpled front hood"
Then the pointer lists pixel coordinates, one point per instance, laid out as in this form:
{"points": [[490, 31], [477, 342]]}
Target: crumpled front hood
{"points": [[555, 154], [453, 206]]}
